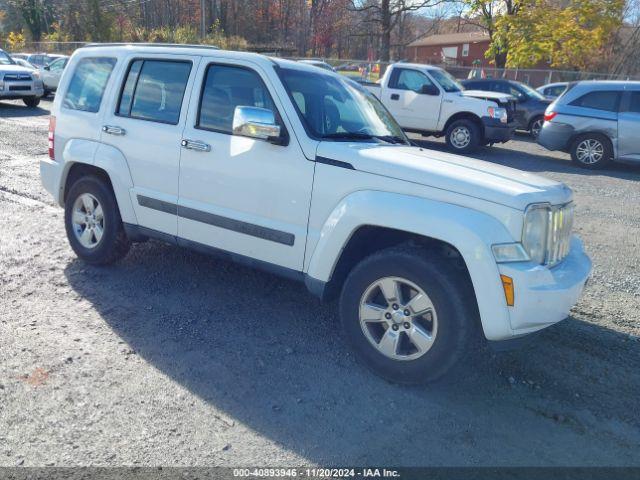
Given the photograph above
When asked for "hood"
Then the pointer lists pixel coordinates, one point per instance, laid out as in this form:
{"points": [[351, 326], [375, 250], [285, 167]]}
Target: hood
{"points": [[13, 69], [463, 175], [504, 97]]}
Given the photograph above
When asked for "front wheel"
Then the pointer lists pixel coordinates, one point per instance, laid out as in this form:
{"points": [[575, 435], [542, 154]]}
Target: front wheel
{"points": [[405, 313], [93, 223], [462, 136], [31, 102]]}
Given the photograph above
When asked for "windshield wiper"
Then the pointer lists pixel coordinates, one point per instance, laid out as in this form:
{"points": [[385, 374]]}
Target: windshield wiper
{"points": [[364, 136], [391, 139], [348, 136]]}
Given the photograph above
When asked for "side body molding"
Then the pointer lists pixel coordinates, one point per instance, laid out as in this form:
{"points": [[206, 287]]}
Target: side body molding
{"points": [[471, 232], [110, 160]]}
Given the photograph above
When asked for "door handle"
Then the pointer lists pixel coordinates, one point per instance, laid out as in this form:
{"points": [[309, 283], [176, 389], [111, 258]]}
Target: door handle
{"points": [[395, 96], [113, 130], [196, 145]]}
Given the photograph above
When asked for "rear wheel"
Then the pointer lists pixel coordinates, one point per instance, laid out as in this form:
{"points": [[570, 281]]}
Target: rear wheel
{"points": [[404, 314], [591, 151], [31, 102], [463, 136], [93, 223], [535, 126]]}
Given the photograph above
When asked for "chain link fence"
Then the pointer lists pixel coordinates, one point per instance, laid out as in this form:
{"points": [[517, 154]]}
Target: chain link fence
{"points": [[372, 71]]}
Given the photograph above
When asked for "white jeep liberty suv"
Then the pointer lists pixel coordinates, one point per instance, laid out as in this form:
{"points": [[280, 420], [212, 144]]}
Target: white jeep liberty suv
{"points": [[303, 172]]}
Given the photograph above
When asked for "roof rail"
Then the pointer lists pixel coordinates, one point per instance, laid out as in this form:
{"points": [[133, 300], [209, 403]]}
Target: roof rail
{"points": [[148, 44]]}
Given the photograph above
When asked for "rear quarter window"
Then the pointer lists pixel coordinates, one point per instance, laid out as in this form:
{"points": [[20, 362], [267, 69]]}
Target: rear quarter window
{"points": [[604, 100], [88, 83]]}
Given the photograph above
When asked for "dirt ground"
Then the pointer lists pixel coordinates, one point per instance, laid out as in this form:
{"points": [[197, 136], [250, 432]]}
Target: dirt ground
{"points": [[174, 358]]}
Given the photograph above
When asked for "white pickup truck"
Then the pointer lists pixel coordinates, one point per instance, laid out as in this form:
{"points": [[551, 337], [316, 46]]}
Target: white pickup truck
{"points": [[303, 172], [428, 100]]}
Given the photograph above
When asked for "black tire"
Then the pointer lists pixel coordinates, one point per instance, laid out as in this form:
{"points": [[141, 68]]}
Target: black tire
{"points": [[31, 102], [471, 129], [595, 139], [114, 243], [46, 93], [535, 125], [451, 294]]}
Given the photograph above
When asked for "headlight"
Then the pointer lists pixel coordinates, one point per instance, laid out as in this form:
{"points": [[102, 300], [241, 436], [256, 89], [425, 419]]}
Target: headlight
{"points": [[546, 235], [498, 113], [35, 74], [509, 252], [534, 232]]}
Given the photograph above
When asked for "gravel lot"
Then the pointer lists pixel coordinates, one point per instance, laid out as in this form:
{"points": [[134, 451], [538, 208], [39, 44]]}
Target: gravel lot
{"points": [[175, 358]]}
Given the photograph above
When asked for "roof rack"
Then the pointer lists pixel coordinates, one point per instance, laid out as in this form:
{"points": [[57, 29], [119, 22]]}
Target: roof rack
{"points": [[148, 44]]}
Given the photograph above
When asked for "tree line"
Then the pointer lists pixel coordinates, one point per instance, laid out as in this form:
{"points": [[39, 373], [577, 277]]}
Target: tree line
{"points": [[571, 34]]}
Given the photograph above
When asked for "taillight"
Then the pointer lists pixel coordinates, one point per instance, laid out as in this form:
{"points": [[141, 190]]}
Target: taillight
{"points": [[52, 135], [549, 116]]}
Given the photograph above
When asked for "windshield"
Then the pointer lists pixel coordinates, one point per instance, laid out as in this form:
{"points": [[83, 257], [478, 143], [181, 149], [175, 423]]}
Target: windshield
{"points": [[331, 107], [447, 81], [531, 93], [5, 59]]}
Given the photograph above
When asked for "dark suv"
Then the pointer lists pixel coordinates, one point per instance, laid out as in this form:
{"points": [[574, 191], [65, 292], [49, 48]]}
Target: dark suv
{"points": [[530, 104]]}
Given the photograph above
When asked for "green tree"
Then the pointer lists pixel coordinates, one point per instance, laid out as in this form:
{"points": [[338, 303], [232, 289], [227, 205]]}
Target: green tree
{"points": [[570, 34]]}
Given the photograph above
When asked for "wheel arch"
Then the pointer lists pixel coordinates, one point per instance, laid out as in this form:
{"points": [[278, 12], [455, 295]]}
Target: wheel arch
{"points": [[465, 116], [82, 157], [366, 222], [576, 135]]}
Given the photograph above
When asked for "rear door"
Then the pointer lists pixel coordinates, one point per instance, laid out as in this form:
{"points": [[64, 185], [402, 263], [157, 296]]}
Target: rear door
{"points": [[629, 126], [411, 108], [146, 124]]}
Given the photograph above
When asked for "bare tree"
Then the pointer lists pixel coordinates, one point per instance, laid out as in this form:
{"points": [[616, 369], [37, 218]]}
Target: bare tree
{"points": [[385, 15]]}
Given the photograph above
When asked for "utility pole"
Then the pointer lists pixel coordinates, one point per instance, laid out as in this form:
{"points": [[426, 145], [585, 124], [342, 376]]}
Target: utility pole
{"points": [[203, 28]]}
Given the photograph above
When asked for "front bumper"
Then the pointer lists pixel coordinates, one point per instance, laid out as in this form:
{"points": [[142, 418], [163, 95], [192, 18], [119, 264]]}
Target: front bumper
{"points": [[543, 295], [27, 90], [497, 132]]}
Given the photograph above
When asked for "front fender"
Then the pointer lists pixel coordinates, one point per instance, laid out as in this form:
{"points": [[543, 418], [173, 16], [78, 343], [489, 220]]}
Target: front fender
{"points": [[109, 159], [471, 232]]}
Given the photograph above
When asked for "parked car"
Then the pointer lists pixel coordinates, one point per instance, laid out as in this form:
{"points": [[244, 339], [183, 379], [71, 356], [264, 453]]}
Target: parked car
{"points": [[303, 172], [319, 64], [37, 59], [428, 100], [24, 63], [18, 82], [530, 104], [596, 122], [552, 91], [51, 74]]}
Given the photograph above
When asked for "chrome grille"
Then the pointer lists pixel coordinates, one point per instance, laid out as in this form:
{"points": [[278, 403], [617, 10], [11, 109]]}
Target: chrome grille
{"points": [[559, 233], [17, 77]]}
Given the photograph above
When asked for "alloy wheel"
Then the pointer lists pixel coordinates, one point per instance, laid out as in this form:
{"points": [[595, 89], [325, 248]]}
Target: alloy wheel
{"points": [[398, 318], [87, 220]]}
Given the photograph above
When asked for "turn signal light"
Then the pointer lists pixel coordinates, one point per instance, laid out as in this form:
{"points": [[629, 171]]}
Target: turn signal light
{"points": [[550, 116], [507, 285]]}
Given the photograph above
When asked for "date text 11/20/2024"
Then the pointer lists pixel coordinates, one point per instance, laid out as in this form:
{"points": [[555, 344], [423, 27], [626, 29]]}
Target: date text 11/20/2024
{"points": [[316, 472]]}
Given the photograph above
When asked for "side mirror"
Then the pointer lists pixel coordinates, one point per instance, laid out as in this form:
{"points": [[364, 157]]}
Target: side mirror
{"points": [[255, 122], [47, 67], [429, 89]]}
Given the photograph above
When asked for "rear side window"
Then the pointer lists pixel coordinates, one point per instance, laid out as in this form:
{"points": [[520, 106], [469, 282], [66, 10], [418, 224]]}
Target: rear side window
{"points": [[634, 102], [599, 100], [226, 88], [154, 90], [87, 84]]}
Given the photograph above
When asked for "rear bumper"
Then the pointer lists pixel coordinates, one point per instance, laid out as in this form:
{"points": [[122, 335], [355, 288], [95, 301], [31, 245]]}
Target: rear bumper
{"points": [[496, 131], [544, 296], [555, 136], [51, 176]]}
